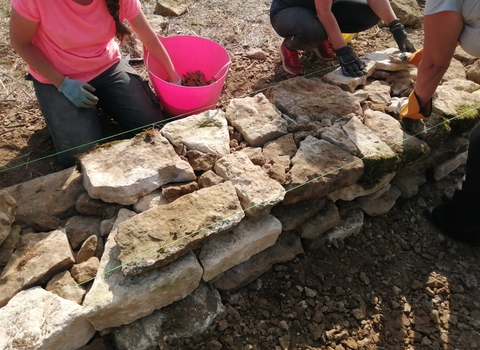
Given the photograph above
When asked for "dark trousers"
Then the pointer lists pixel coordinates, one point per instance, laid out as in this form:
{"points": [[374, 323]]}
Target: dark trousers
{"points": [[123, 95], [304, 31]]}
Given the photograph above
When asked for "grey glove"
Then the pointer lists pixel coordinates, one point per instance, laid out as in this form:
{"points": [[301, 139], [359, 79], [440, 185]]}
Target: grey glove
{"points": [[351, 65], [401, 37]]}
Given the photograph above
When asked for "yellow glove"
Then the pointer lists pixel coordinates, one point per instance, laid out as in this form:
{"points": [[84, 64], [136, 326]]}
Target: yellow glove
{"points": [[408, 58], [411, 110]]}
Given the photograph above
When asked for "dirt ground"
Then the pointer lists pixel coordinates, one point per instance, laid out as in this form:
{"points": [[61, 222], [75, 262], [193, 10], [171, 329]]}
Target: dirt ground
{"points": [[396, 285]]}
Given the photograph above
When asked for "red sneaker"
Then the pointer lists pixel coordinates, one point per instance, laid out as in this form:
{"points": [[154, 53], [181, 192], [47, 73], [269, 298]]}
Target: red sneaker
{"points": [[290, 60], [324, 51]]}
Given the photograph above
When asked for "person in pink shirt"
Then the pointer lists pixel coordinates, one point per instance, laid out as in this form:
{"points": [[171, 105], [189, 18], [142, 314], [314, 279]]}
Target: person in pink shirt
{"points": [[76, 67]]}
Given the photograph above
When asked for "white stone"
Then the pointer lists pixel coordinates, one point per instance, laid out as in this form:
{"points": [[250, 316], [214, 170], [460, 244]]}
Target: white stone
{"points": [[37, 319]]}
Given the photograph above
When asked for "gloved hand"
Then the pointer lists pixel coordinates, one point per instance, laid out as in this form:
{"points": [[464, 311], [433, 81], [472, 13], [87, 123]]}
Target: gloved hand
{"points": [[78, 93], [406, 57], [179, 82], [400, 35], [411, 110], [351, 65]]}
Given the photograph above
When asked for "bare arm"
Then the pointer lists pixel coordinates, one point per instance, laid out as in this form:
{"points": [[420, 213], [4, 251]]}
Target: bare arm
{"points": [[150, 40], [325, 15], [382, 9], [442, 31], [22, 31]]}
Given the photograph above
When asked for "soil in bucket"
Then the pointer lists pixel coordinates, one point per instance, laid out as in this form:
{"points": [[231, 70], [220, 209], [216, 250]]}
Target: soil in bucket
{"points": [[189, 54], [196, 78]]}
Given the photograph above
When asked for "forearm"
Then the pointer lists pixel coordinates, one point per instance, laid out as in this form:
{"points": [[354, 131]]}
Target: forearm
{"points": [[428, 78], [37, 60], [382, 9], [159, 53], [331, 27], [150, 40]]}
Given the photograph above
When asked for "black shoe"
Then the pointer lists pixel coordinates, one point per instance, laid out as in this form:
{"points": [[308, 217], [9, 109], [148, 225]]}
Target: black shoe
{"points": [[447, 197], [460, 229]]}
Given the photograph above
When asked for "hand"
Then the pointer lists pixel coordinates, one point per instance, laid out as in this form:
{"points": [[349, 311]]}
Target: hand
{"points": [[412, 110], [395, 104], [179, 82], [78, 93], [407, 57], [351, 65], [401, 36]]}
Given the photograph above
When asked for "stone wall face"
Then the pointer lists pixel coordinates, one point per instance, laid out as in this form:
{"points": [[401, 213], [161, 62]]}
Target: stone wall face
{"points": [[163, 221]]}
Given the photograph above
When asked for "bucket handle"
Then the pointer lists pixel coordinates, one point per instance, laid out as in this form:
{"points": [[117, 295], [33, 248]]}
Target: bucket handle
{"points": [[221, 71]]}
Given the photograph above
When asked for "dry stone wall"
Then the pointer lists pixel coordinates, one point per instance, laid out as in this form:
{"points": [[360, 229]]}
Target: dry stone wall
{"points": [[152, 226]]}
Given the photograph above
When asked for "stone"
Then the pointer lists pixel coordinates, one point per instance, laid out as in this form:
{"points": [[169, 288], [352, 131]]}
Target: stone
{"points": [[35, 261], [160, 235], [378, 92], [150, 200], [51, 195], [378, 157], [409, 12], [319, 168], [79, 228], [38, 319], [206, 132], [87, 206], [182, 319], [87, 250], [172, 192], [209, 179], [305, 100], [250, 237], [201, 161], [152, 162], [321, 222], [390, 131], [336, 136], [256, 119], [10, 244], [349, 84], [66, 287], [443, 169], [8, 207], [353, 191], [293, 215], [285, 249], [115, 300], [473, 72], [171, 7], [375, 205], [86, 271], [450, 101], [257, 192]]}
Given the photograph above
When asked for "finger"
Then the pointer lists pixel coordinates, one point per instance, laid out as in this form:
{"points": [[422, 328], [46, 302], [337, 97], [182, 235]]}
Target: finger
{"points": [[356, 70], [350, 71], [90, 96], [89, 87]]}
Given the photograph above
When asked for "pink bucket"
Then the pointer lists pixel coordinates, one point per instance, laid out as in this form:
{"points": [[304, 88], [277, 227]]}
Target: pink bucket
{"points": [[188, 54]]}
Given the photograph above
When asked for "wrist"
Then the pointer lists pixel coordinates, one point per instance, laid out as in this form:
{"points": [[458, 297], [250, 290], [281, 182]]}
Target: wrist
{"points": [[393, 23]]}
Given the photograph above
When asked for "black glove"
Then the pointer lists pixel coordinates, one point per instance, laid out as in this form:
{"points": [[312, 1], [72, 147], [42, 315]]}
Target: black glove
{"points": [[351, 65], [400, 35]]}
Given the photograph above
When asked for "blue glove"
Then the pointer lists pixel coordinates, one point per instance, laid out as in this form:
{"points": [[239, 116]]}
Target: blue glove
{"points": [[78, 93]]}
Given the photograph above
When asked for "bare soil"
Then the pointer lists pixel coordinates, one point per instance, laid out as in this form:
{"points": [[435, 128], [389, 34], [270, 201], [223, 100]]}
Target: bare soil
{"points": [[396, 285]]}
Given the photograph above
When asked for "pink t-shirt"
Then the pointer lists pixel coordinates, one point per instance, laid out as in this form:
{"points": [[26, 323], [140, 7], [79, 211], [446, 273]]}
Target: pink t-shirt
{"points": [[78, 40]]}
